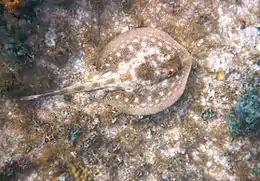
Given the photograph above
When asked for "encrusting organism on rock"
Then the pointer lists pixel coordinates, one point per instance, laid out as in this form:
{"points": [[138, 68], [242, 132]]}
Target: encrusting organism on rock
{"points": [[11, 5]]}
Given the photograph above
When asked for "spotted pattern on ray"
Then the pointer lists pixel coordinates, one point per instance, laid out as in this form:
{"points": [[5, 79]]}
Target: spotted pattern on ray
{"points": [[150, 94]]}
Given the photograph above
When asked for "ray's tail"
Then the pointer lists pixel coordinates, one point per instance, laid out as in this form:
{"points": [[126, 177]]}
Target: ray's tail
{"points": [[64, 91], [105, 83]]}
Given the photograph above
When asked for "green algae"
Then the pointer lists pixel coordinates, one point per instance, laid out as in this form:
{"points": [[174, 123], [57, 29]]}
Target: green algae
{"points": [[208, 113], [244, 118]]}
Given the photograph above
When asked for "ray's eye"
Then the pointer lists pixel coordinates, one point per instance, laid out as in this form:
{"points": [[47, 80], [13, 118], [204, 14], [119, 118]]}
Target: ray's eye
{"points": [[172, 64], [172, 71]]}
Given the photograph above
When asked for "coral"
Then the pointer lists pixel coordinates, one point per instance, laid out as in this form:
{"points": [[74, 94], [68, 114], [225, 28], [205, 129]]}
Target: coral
{"points": [[245, 116], [80, 172]]}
